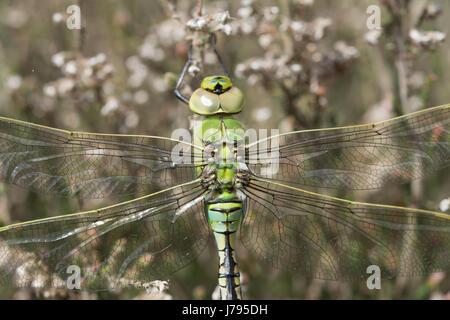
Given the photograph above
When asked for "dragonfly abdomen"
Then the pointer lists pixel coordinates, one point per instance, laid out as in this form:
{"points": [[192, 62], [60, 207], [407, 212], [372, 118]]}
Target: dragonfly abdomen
{"points": [[224, 215]]}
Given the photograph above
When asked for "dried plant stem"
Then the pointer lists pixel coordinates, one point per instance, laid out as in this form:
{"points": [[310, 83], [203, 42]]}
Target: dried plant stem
{"points": [[290, 96], [199, 7], [400, 35], [400, 31], [80, 35], [288, 45], [290, 104]]}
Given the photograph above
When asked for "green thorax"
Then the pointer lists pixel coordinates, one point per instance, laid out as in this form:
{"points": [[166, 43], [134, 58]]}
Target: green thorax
{"points": [[217, 128], [222, 137]]}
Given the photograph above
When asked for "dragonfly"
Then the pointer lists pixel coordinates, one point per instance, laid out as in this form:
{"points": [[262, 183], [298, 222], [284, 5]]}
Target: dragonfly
{"points": [[222, 185]]}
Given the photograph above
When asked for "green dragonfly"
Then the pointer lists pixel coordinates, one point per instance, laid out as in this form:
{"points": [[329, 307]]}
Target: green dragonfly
{"points": [[216, 185]]}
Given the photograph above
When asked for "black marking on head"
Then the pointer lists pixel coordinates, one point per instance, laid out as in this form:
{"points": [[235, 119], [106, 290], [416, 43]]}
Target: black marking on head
{"points": [[218, 89]]}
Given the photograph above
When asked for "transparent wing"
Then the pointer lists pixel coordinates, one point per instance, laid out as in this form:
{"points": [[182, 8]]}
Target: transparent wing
{"points": [[90, 165], [136, 241], [357, 157], [331, 238]]}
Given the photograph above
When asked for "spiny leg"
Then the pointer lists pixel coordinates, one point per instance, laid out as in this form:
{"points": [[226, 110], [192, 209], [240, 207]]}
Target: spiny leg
{"points": [[182, 75], [177, 92]]}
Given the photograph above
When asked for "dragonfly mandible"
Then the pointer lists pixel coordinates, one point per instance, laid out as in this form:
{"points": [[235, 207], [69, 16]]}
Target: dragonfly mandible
{"points": [[219, 189]]}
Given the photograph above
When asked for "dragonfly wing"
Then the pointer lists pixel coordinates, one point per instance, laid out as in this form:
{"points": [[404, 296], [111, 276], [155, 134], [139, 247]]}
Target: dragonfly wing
{"points": [[121, 245], [90, 165], [331, 238], [357, 157]]}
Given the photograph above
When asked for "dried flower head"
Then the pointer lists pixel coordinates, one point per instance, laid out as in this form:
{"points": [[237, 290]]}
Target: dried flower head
{"points": [[426, 39]]}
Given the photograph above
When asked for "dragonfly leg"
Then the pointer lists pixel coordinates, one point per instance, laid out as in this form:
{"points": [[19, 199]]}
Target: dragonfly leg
{"points": [[214, 41], [177, 92], [183, 74]]}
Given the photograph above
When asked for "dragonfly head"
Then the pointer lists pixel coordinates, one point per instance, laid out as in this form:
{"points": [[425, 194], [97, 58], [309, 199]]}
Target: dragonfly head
{"points": [[216, 84], [216, 95]]}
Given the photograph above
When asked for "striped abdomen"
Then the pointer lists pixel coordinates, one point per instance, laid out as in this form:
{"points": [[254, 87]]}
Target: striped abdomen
{"points": [[224, 215]]}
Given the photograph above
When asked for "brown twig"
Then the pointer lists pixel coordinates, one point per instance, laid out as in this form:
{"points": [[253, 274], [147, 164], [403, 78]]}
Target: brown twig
{"points": [[199, 7], [81, 34], [290, 104], [400, 28]]}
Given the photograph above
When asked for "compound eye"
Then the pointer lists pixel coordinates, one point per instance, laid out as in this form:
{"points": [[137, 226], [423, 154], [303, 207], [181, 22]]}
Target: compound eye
{"points": [[204, 102], [232, 101]]}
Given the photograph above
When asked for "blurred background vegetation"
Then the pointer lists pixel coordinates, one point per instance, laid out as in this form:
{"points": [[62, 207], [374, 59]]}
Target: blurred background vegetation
{"points": [[301, 64]]}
